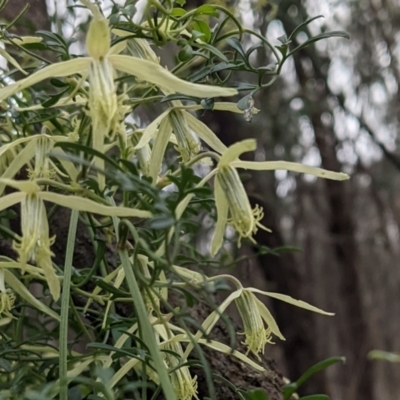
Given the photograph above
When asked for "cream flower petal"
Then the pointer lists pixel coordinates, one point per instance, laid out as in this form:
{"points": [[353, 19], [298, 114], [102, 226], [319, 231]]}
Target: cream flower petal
{"points": [[222, 206], [82, 204], [68, 165], [290, 166], [205, 133], [17, 163], [223, 348], [12, 61], [14, 143], [19, 288], [234, 151], [291, 300], [153, 73], [11, 199], [23, 186], [64, 68], [151, 130], [22, 140], [212, 319], [269, 319], [117, 48], [27, 40], [160, 144]]}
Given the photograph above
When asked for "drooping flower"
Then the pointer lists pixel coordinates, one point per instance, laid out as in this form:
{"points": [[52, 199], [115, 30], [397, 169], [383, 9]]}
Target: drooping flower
{"points": [[188, 144], [143, 154], [256, 334], [243, 217], [259, 324], [43, 167], [175, 125], [188, 130], [231, 199], [35, 243], [7, 298], [184, 385], [35, 147]]}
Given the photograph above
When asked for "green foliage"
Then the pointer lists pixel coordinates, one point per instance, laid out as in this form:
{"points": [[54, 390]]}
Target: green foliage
{"points": [[291, 388]]}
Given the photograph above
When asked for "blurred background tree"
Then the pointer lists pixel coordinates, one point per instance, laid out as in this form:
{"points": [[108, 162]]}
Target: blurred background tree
{"points": [[336, 104]]}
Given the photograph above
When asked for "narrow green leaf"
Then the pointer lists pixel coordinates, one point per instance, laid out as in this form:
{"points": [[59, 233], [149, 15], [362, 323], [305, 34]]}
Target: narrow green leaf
{"points": [[301, 26], [54, 98], [283, 39], [290, 389], [256, 394], [235, 44], [283, 49], [253, 48], [243, 103], [212, 50], [110, 288], [207, 9], [19, 288], [161, 222], [325, 35]]}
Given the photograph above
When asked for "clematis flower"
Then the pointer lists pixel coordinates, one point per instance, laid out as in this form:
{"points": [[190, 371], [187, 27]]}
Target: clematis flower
{"points": [[99, 67], [7, 298], [37, 147], [187, 130], [259, 324], [188, 143], [231, 197], [251, 311], [176, 124], [143, 154], [184, 385], [35, 242], [44, 168]]}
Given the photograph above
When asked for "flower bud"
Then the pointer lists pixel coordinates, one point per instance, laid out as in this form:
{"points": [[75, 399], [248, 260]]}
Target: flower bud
{"points": [[143, 154], [243, 217], [102, 94], [98, 38], [188, 143], [42, 162]]}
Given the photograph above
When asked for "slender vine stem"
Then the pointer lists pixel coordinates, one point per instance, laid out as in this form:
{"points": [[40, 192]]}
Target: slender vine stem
{"points": [[145, 325], [73, 224]]}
